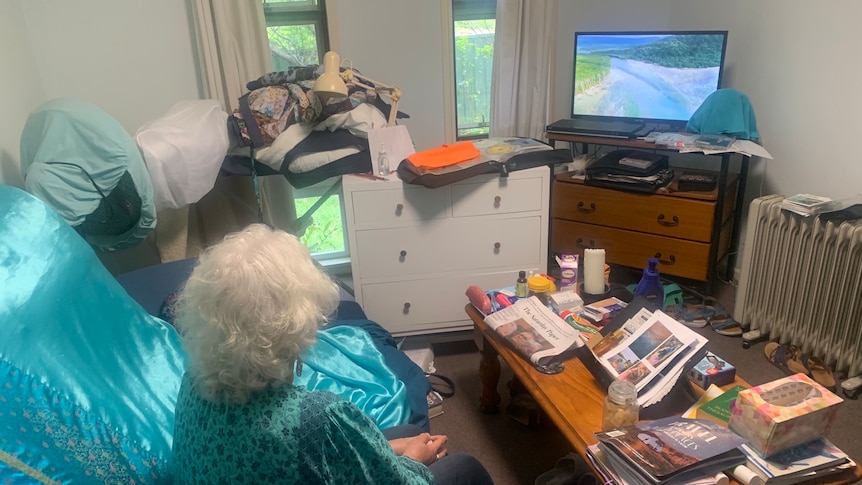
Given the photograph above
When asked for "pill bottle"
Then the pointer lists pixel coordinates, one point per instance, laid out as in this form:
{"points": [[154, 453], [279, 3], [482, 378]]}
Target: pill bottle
{"points": [[621, 406], [540, 287]]}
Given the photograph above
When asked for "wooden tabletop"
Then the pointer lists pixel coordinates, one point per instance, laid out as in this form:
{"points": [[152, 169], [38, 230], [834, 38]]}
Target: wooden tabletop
{"points": [[572, 399]]}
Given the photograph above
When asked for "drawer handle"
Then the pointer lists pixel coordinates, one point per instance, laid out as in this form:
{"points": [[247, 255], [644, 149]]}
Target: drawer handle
{"points": [[674, 222], [497, 247], [583, 209], [497, 201], [667, 262], [580, 244], [402, 255], [399, 208], [406, 309]]}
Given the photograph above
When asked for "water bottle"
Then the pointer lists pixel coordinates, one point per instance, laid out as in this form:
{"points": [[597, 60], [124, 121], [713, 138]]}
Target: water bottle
{"points": [[383, 162], [650, 286]]}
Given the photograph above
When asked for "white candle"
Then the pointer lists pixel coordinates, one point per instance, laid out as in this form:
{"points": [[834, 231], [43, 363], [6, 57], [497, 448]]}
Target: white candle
{"points": [[594, 271]]}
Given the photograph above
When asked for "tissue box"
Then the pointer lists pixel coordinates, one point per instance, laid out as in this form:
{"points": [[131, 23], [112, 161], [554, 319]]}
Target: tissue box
{"points": [[712, 370], [783, 413]]}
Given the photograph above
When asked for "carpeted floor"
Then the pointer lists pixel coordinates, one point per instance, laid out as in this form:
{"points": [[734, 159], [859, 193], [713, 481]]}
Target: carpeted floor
{"points": [[517, 454]]}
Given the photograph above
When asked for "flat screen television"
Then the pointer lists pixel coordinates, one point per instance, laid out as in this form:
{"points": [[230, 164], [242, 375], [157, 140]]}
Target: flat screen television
{"points": [[649, 77]]}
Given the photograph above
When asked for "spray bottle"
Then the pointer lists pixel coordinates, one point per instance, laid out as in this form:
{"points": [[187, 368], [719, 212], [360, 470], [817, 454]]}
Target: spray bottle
{"points": [[650, 285]]}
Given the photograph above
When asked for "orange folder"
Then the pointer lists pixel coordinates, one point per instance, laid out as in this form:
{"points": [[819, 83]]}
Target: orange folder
{"points": [[444, 155]]}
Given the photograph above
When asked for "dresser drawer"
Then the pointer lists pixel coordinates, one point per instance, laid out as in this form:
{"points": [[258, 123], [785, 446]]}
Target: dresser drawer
{"points": [[423, 305], [502, 195], [677, 257], [474, 244], [663, 215], [400, 206]]}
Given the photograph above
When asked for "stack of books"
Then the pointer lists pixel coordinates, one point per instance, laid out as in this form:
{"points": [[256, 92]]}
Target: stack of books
{"points": [[668, 451], [807, 204], [814, 459]]}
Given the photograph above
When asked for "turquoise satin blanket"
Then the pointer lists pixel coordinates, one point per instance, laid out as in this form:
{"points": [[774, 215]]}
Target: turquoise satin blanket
{"points": [[88, 379]]}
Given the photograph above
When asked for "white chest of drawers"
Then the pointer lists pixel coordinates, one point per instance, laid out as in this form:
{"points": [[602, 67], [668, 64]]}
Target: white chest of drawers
{"points": [[414, 251]]}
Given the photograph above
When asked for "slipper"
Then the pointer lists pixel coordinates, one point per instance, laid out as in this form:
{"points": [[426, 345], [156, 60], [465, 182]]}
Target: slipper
{"points": [[691, 314], [785, 357], [569, 470], [724, 324], [819, 371]]}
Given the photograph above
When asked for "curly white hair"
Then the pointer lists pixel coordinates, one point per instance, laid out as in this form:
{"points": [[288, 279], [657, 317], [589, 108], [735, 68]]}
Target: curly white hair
{"points": [[252, 305]]}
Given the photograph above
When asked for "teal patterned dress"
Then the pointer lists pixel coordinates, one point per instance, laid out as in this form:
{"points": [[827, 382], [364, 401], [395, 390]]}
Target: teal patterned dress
{"points": [[284, 435]]}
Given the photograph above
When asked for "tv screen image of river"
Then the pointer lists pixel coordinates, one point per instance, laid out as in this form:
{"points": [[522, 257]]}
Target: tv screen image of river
{"points": [[650, 76]]}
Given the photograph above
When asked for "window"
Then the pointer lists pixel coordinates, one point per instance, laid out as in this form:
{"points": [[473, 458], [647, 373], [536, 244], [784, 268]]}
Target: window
{"points": [[298, 37], [474, 23]]}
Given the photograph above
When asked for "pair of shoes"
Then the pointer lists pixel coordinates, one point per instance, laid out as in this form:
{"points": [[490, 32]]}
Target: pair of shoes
{"points": [[692, 315], [569, 470], [722, 322], [792, 360], [786, 357]]}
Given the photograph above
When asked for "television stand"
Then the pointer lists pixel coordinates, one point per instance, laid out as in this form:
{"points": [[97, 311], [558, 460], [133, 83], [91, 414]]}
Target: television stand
{"points": [[690, 232]]}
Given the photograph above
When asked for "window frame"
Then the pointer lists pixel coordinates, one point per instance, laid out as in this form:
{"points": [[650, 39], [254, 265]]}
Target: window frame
{"points": [[462, 10]]}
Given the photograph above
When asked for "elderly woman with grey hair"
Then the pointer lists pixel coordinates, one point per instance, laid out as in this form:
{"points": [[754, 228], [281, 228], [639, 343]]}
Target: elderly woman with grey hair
{"points": [[252, 305]]}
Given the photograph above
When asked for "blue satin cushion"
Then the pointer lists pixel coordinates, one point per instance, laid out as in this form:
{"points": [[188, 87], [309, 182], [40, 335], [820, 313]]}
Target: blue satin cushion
{"points": [[89, 379]]}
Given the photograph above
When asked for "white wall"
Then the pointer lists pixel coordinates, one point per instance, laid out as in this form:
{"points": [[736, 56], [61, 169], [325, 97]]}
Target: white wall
{"points": [[20, 88], [399, 43], [132, 59]]}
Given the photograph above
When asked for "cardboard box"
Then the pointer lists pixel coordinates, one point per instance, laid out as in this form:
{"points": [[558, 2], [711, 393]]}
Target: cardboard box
{"points": [[712, 370], [784, 413], [568, 270]]}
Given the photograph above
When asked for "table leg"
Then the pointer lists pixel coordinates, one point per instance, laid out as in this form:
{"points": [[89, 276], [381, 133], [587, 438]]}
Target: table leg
{"points": [[489, 373]]}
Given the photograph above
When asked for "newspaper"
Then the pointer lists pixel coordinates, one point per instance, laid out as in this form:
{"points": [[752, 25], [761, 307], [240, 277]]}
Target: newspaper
{"points": [[650, 350], [535, 331]]}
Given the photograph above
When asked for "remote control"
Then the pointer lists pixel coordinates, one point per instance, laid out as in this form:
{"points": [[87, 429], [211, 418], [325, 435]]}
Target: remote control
{"points": [[652, 136]]}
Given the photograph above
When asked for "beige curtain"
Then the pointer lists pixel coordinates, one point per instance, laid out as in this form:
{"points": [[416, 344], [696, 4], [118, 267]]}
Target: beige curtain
{"points": [[232, 49], [524, 51]]}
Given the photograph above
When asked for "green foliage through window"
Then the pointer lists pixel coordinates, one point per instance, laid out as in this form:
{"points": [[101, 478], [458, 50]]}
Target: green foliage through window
{"points": [[474, 57]]}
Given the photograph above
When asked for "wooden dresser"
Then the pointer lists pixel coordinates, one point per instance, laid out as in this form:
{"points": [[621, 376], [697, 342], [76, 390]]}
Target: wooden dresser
{"points": [[414, 251], [675, 227]]}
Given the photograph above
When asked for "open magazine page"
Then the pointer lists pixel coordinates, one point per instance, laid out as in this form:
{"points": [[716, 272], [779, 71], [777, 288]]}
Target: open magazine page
{"points": [[650, 354], [535, 331]]}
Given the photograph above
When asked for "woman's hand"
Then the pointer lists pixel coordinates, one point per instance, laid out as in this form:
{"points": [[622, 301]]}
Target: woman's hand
{"points": [[424, 448]]}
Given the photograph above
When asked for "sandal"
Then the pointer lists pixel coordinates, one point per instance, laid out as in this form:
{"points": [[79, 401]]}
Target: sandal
{"points": [[692, 315], [785, 357], [819, 371], [724, 324]]}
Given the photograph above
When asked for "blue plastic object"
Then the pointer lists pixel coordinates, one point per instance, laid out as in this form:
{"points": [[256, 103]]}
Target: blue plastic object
{"points": [[650, 285]]}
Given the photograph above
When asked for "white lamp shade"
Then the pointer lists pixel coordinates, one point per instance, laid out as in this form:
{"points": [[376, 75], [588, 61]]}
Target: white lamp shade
{"points": [[330, 83]]}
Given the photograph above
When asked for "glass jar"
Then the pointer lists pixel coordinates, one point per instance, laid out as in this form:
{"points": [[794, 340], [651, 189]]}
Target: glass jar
{"points": [[540, 287], [621, 406]]}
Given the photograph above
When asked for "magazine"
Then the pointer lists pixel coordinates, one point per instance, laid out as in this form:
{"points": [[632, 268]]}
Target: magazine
{"points": [[673, 449], [798, 463], [535, 331], [651, 350]]}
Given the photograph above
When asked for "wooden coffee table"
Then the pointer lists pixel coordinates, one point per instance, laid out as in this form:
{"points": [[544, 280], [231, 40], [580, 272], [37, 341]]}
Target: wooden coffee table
{"points": [[572, 399]]}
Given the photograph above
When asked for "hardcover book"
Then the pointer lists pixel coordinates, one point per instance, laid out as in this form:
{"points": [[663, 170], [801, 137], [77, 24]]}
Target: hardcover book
{"points": [[718, 410], [803, 462], [664, 450]]}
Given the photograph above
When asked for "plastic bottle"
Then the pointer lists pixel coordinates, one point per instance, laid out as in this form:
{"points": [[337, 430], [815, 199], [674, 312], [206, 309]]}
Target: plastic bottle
{"points": [[621, 406], [383, 162], [540, 287], [650, 285], [521, 285]]}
